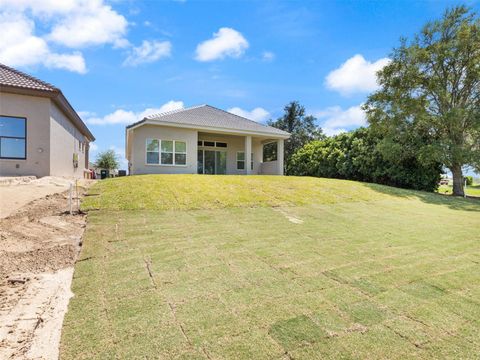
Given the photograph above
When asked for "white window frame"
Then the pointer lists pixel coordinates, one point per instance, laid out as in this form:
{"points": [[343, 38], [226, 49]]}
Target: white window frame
{"points": [[251, 161], [173, 153]]}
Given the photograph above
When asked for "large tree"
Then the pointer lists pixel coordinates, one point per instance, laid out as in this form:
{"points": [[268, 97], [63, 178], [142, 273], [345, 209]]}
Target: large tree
{"points": [[301, 127], [431, 90], [107, 160]]}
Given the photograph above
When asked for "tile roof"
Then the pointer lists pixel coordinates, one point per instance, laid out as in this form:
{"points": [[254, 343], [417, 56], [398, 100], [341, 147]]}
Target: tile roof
{"points": [[206, 116], [12, 77]]}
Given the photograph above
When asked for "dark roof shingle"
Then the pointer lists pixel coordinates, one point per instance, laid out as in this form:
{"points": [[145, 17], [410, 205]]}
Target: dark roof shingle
{"points": [[206, 116], [12, 77]]}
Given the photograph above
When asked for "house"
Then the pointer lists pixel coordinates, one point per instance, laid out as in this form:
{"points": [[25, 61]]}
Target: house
{"points": [[203, 140], [40, 132]]}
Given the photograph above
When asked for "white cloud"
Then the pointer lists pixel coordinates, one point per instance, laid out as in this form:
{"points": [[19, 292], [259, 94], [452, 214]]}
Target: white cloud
{"points": [[75, 23], [20, 47], [126, 117], [93, 147], [149, 51], [268, 56], [225, 42], [258, 114], [71, 23], [356, 75], [335, 120]]}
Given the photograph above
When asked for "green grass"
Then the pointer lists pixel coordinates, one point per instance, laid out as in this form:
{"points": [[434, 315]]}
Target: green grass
{"points": [[473, 190], [274, 268]]}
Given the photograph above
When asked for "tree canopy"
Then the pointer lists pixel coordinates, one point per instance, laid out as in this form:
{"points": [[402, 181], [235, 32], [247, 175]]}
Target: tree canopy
{"points": [[107, 160], [301, 127], [430, 95]]}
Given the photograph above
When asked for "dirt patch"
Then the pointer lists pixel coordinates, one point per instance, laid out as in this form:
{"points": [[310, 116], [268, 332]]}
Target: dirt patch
{"points": [[38, 247]]}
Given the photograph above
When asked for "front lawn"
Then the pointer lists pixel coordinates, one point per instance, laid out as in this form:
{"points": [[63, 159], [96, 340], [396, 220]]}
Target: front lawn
{"points": [[472, 190], [214, 267]]}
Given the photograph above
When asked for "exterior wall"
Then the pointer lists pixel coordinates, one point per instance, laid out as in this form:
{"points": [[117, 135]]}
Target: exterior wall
{"points": [[269, 168], [37, 112], [139, 138], [64, 142]]}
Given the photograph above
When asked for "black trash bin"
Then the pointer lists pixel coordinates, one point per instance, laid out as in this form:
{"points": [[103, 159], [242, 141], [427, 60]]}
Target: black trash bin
{"points": [[122, 172], [104, 174]]}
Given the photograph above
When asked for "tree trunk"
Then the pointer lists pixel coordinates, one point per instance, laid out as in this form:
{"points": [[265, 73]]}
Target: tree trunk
{"points": [[457, 180]]}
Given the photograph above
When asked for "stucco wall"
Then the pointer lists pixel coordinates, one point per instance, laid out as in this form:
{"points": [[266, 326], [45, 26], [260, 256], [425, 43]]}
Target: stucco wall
{"points": [[37, 112], [269, 168], [64, 142], [139, 138]]}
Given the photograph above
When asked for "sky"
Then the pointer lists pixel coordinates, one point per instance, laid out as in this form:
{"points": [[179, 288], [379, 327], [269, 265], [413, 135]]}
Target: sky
{"points": [[117, 61]]}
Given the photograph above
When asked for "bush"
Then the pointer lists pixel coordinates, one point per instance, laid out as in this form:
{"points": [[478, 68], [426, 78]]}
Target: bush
{"points": [[359, 155], [469, 180]]}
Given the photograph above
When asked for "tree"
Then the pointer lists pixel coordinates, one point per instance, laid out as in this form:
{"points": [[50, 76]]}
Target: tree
{"points": [[356, 155], [107, 160], [301, 127], [430, 94]]}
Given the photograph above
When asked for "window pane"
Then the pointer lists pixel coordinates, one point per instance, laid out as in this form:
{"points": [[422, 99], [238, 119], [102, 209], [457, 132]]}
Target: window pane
{"points": [[240, 156], [221, 144], [12, 148], [180, 147], [200, 143], [10, 126], [240, 165], [200, 161], [270, 152], [152, 145], [152, 157], [208, 143], [167, 146], [167, 159], [180, 159]]}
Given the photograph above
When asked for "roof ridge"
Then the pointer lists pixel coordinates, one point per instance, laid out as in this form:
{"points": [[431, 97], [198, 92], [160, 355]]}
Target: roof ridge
{"points": [[30, 77], [173, 111], [241, 117]]}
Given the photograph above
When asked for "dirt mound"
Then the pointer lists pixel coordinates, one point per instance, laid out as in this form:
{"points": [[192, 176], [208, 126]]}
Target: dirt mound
{"points": [[38, 247]]}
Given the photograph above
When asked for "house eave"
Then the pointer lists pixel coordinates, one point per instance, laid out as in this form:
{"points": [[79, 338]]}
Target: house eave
{"points": [[208, 129]]}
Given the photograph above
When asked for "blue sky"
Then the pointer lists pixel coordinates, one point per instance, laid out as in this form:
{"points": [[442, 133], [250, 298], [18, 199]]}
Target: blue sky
{"points": [[118, 60]]}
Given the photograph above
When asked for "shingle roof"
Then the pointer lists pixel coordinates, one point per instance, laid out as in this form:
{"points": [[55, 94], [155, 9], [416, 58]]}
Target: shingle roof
{"points": [[206, 116], [12, 77]]}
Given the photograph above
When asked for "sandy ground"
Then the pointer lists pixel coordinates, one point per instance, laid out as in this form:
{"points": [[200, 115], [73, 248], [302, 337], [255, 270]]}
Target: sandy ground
{"points": [[17, 192], [39, 244]]}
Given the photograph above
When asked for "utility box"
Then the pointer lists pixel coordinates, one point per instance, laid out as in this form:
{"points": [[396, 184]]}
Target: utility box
{"points": [[104, 174], [122, 172]]}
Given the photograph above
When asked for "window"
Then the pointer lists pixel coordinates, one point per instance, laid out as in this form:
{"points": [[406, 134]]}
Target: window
{"points": [[166, 152], [270, 152], [152, 151], [220, 144], [209, 143], [241, 161], [200, 143], [180, 153], [13, 134]]}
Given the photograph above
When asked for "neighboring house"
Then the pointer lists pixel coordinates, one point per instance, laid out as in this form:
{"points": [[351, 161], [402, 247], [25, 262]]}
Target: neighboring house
{"points": [[203, 140], [40, 132]]}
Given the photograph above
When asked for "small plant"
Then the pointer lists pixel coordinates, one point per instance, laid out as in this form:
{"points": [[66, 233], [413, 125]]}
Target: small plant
{"points": [[469, 180]]}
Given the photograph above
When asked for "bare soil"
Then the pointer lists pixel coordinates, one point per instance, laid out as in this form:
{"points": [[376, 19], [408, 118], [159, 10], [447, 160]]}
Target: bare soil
{"points": [[39, 244]]}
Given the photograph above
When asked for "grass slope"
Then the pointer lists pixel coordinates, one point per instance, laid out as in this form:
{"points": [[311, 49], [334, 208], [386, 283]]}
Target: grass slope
{"points": [[336, 269]]}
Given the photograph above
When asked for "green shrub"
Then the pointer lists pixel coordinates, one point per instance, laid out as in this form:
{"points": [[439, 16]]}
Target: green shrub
{"points": [[360, 155], [469, 180]]}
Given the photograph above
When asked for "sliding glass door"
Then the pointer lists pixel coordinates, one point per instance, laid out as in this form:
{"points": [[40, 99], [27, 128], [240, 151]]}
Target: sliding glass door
{"points": [[212, 162]]}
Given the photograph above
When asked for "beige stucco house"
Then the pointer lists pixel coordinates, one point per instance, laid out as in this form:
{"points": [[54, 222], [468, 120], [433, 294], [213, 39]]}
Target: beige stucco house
{"points": [[40, 132], [203, 140]]}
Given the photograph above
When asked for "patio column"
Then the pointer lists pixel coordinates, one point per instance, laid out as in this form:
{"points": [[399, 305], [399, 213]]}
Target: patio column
{"points": [[280, 153], [248, 155]]}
